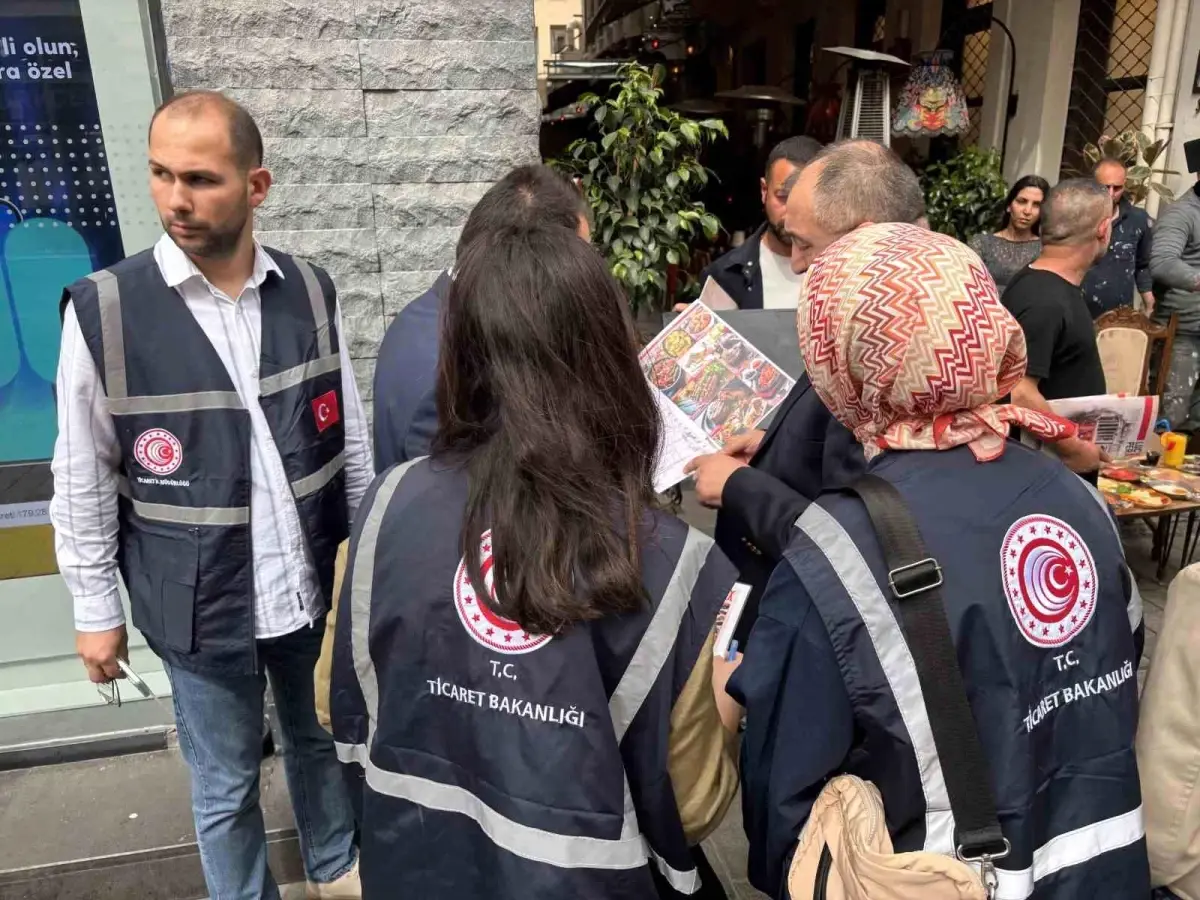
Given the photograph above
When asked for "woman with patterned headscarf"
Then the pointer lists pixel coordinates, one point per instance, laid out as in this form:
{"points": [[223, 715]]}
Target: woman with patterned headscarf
{"points": [[908, 345]]}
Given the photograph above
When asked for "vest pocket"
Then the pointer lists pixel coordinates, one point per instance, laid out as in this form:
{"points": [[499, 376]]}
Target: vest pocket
{"points": [[165, 606], [179, 614]]}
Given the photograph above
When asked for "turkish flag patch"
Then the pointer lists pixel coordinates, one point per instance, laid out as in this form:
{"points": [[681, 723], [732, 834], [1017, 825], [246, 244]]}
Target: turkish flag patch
{"points": [[325, 410]]}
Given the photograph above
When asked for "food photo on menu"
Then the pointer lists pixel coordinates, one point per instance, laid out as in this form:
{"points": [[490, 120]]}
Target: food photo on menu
{"points": [[711, 384]]}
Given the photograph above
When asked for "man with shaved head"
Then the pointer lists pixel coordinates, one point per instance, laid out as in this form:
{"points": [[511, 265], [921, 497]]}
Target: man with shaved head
{"points": [[756, 274], [1124, 270], [763, 480], [212, 449], [1047, 300]]}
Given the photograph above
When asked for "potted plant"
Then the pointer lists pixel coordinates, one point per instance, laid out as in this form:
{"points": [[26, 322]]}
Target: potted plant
{"points": [[640, 174], [1138, 154], [964, 195]]}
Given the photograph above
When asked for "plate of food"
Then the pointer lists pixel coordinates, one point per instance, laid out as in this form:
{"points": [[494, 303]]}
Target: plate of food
{"points": [[698, 322], [1117, 502], [1172, 489], [732, 349], [769, 380], [1109, 486], [1172, 476], [1120, 473], [756, 411], [677, 343], [719, 411], [1147, 498], [666, 374], [702, 389]]}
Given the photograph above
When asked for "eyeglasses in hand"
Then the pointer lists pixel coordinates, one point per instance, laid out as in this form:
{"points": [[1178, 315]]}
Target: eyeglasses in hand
{"points": [[110, 691]]}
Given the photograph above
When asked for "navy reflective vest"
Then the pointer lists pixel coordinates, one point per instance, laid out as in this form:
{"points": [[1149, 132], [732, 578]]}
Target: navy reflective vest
{"points": [[184, 479], [1041, 606], [501, 764]]}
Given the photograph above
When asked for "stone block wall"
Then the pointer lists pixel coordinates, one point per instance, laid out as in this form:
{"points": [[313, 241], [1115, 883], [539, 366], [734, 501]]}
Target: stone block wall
{"points": [[383, 121]]}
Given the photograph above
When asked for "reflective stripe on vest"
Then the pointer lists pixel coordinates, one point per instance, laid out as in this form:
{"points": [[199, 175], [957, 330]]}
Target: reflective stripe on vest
{"points": [[655, 647], [112, 333], [317, 298], [121, 404], [1069, 849], [184, 515], [894, 657], [281, 381], [1134, 607], [310, 484], [630, 851], [173, 403]]}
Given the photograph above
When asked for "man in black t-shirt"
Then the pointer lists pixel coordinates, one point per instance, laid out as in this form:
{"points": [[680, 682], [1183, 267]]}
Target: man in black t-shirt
{"points": [[1046, 299]]}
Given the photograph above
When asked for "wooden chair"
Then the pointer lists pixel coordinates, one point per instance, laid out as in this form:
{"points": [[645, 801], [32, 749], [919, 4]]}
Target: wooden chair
{"points": [[1126, 339]]}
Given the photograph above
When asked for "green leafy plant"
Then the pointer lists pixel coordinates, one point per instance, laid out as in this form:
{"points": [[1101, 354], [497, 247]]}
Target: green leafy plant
{"points": [[964, 195], [1138, 154], [639, 176]]}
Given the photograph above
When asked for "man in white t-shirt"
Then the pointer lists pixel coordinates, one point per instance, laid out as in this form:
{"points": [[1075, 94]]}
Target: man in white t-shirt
{"points": [[758, 274], [780, 285]]}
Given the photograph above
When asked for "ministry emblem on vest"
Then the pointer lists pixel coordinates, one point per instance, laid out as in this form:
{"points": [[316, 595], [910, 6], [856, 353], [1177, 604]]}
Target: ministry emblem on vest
{"points": [[493, 631], [158, 451], [1049, 580]]}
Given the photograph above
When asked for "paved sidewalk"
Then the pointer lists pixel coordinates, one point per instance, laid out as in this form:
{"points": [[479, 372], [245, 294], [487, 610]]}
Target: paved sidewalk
{"points": [[128, 815]]}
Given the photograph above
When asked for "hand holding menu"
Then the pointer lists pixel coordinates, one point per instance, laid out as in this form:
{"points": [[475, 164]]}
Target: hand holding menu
{"points": [[710, 384], [1118, 423]]}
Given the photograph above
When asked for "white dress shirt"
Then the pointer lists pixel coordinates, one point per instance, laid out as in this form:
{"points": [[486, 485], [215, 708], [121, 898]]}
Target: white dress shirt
{"points": [[87, 456]]}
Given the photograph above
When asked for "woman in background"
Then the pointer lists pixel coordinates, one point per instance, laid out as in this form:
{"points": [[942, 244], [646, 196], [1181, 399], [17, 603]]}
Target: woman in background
{"points": [[523, 660], [1016, 244]]}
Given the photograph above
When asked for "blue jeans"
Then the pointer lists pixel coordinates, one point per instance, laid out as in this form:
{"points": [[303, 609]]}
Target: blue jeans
{"points": [[220, 734]]}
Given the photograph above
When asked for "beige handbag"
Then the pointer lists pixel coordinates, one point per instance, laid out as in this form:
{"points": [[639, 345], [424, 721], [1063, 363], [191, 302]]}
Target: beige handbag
{"points": [[845, 851]]}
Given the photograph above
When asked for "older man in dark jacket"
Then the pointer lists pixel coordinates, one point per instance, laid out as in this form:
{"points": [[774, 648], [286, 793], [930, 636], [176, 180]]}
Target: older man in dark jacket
{"points": [[761, 482]]}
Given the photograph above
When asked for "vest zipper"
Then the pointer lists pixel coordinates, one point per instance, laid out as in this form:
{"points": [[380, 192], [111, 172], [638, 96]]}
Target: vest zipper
{"points": [[822, 880]]}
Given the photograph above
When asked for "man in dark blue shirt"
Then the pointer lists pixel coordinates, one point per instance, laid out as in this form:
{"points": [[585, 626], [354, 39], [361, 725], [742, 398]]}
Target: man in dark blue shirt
{"points": [[1126, 266], [406, 371]]}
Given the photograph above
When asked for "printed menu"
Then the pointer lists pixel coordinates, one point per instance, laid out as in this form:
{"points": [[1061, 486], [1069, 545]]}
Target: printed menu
{"points": [[1117, 423], [710, 384]]}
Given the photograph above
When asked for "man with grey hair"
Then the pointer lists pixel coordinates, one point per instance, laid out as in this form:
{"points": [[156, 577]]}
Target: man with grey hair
{"points": [[761, 481], [849, 184], [1047, 300]]}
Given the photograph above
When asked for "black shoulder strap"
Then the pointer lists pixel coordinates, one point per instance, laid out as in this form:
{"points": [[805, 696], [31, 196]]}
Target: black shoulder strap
{"points": [[915, 578]]}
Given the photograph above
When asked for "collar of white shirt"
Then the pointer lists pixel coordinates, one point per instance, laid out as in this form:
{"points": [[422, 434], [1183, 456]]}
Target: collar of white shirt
{"points": [[177, 268]]}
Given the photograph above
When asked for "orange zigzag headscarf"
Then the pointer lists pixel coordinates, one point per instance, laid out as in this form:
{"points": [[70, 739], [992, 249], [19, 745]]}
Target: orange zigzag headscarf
{"points": [[906, 342]]}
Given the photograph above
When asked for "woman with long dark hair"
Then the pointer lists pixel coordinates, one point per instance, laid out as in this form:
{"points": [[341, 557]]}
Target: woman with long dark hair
{"points": [[524, 652], [1016, 244]]}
